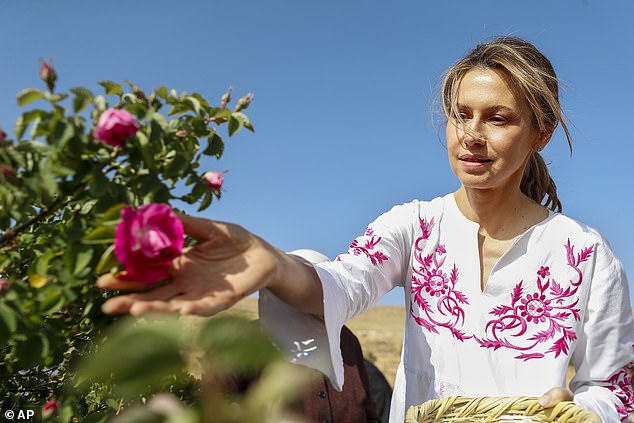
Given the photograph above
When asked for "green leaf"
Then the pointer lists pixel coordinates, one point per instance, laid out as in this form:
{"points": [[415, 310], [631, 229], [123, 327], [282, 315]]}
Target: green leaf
{"points": [[235, 124], [195, 104], [137, 355], [229, 343], [34, 350], [112, 87], [50, 300], [83, 98], [29, 95], [215, 146], [162, 92], [98, 182], [100, 235], [77, 257], [8, 321], [112, 216], [25, 119], [107, 262], [146, 149], [206, 201], [40, 265]]}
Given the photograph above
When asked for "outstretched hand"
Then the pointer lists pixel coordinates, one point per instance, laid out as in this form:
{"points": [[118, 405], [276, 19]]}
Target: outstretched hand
{"points": [[225, 265]]}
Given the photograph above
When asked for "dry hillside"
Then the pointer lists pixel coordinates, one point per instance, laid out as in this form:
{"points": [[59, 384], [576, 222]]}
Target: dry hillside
{"points": [[380, 331]]}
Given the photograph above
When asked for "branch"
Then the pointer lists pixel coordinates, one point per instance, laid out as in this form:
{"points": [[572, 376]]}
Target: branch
{"points": [[13, 232]]}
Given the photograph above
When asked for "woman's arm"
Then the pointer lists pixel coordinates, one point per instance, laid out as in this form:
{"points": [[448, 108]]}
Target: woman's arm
{"points": [[225, 265]]}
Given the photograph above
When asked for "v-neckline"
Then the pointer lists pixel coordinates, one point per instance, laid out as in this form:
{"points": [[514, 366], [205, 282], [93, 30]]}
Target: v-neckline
{"points": [[476, 230]]}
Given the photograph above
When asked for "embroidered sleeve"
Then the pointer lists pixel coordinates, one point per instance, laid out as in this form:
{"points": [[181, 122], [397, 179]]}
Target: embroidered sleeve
{"points": [[620, 384], [605, 350], [373, 264]]}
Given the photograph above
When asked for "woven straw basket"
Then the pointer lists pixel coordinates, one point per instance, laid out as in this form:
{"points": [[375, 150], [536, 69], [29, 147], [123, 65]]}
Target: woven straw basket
{"points": [[497, 409]]}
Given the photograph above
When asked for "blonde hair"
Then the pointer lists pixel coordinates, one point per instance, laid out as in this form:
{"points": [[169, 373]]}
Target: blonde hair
{"points": [[534, 77]]}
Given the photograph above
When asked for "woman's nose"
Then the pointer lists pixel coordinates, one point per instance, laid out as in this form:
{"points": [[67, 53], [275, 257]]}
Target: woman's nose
{"points": [[470, 133]]}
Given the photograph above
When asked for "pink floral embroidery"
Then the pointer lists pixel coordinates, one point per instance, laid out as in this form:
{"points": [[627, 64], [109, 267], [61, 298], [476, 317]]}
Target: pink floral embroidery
{"points": [[550, 310], [368, 247], [621, 385], [434, 291]]}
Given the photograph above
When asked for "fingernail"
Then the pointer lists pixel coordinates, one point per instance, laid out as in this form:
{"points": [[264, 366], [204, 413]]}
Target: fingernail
{"points": [[544, 401]]}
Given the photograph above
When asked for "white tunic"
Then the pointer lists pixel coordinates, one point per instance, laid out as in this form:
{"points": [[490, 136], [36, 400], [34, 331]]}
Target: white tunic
{"points": [[557, 295]]}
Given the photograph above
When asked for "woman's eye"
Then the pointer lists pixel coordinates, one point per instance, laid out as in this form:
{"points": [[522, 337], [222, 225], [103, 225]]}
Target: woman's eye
{"points": [[461, 116], [498, 120]]}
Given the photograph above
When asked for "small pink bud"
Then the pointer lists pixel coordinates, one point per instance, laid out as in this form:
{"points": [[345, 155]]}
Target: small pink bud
{"points": [[181, 133], [115, 126], [213, 180], [51, 407], [8, 172], [4, 285], [3, 136], [48, 75]]}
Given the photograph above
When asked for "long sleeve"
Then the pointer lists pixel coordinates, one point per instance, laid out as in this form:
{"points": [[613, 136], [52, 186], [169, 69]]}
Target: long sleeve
{"points": [[375, 263], [605, 350]]}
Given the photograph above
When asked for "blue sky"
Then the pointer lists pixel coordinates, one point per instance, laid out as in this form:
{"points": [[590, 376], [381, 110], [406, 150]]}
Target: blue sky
{"points": [[344, 96]]}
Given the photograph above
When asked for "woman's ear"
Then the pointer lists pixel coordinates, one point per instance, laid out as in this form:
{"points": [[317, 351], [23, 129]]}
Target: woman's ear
{"points": [[542, 141]]}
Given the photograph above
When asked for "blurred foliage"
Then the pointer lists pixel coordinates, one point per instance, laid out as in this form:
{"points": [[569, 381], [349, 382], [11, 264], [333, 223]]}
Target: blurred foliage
{"points": [[61, 191]]}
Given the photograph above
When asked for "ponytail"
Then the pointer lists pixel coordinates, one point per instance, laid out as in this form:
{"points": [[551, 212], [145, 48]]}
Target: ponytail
{"points": [[538, 185]]}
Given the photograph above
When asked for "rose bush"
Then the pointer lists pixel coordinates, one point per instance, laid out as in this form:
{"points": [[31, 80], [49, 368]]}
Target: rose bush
{"points": [[147, 241], [62, 189]]}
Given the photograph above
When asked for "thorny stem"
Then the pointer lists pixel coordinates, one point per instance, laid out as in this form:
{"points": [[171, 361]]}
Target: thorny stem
{"points": [[13, 232]]}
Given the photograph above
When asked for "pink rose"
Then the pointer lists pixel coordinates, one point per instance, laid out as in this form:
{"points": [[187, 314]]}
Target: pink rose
{"points": [[51, 407], [213, 180], [114, 126], [147, 241], [48, 75]]}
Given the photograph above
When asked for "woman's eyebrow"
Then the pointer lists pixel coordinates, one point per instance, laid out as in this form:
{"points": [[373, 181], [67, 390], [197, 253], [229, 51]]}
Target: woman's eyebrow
{"points": [[492, 108]]}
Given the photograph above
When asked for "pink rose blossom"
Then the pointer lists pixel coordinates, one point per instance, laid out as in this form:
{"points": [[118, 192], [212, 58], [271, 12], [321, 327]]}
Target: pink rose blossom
{"points": [[213, 180], [115, 126], [147, 241], [51, 407], [48, 75]]}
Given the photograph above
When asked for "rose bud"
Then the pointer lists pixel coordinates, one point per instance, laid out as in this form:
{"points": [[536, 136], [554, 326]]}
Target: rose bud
{"points": [[226, 98], [4, 285], [51, 407], [244, 102], [115, 126], [147, 241], [213, 180], [48, 75], [8, 172], [3, 136]]}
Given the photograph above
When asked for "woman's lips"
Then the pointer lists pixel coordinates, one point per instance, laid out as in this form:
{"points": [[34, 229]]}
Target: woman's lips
{"points": [[474, 161]]}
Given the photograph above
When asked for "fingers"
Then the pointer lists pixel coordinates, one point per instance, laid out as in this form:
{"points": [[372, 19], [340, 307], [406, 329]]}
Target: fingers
{"points": [[554, 396], [197, 227], [154, 300], [119, 282]]}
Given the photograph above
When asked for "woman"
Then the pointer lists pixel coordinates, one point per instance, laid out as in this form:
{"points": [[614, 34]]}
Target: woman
{"points": [[502, 291]]}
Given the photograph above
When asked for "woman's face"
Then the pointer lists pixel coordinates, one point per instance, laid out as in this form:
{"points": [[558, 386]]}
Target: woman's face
{"points": [[494, 148]]}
